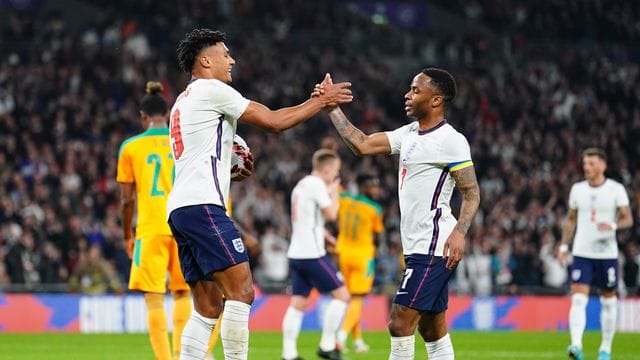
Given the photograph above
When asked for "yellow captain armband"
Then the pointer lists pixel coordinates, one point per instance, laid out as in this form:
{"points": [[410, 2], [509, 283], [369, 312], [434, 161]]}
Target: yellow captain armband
{"points": [[460, 165]]}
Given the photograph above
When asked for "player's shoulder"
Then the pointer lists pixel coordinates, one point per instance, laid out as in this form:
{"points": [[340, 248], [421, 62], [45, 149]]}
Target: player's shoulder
{"points": [[367, 201], [614, 183], [136, 139], [580, 185], [450, 133]]}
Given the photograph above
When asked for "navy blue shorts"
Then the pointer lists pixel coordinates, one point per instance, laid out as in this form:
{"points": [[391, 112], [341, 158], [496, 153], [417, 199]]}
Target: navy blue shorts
{"points": [[600, 273], [313, 273], [208, 241], [424, 284]]}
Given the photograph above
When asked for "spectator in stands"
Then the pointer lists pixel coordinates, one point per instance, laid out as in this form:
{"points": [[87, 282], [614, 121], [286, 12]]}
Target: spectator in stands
{"points": [[94, 275]]}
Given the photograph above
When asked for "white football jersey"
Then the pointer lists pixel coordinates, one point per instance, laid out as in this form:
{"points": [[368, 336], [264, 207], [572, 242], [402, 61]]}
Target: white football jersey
{"points": [[309, 197], [202, 127], [425, 184], [594, 205]]}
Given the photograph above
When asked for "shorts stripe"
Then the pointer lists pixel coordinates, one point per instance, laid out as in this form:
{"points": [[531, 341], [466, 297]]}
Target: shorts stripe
{"points": [[426, 274], [436, 232], [220, 239], [327, 268]]}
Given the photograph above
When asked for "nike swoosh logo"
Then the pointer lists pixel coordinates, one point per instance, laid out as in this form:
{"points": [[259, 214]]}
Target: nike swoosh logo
{"points": [[401, 293]]}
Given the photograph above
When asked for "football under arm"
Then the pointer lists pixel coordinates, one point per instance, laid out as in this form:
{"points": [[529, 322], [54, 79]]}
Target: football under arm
{"points": [[467, 184], [127, 206], [359, 143]]}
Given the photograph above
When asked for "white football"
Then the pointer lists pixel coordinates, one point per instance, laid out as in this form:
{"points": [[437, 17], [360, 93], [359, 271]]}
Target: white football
{"points": [[237, 161]]}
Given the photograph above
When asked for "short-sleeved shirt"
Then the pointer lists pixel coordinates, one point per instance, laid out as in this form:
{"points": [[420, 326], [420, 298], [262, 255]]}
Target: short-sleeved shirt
{"points": [[146, 161], [359, 220], [309, 197], [425, 185], [202, 125], [594, 205]]}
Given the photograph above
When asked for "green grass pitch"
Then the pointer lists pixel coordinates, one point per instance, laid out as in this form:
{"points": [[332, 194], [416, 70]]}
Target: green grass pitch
{"points": [[266, 345]]}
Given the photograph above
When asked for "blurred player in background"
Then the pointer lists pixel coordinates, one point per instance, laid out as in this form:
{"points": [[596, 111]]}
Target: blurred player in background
{"points": [[433, 158], [314, 200], [145, 174], [203, 123], [359, 222], [598, 207]]}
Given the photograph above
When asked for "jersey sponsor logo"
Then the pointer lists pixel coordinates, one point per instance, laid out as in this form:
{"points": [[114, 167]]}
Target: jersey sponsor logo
{"points": [[238, 245], [575, 274]]}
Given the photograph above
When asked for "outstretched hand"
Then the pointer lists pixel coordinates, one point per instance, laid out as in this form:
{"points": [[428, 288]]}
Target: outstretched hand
{"points": [[325, 90]]}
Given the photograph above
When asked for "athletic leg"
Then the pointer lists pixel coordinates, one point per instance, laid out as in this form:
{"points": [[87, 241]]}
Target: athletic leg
{"points": [[433, 329]]}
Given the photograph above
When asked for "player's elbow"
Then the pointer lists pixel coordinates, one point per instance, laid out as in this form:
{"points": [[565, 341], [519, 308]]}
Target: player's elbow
{"points": [[330, 214], [126, 201], [273, 127]]}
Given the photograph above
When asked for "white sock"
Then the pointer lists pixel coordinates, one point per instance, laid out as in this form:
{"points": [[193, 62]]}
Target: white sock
{"points": [[578, 318], [402, 348], [234, 330], [441, 349], [608, 317], [195, 337], [331, 322], [291, 324], [342, 338]]}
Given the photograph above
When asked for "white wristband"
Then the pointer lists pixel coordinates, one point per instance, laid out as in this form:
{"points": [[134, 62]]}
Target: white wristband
{"points": [[563, 248]]}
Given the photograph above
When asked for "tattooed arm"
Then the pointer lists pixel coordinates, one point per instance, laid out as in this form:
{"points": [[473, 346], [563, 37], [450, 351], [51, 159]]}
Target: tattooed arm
{"points": [[568, 230], [467, 184], [359, 143]]}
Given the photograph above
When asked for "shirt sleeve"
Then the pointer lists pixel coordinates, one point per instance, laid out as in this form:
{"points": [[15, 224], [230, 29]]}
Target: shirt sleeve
{"points": [[456, 152], [228, 101], [378, 224], [573, 202], [622, 199], [395, 138], [321, 194], [124, 172]]}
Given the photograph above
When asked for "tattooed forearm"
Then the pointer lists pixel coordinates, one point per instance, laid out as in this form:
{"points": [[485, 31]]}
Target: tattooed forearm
{"points": [[352, 136], [467, 183]]}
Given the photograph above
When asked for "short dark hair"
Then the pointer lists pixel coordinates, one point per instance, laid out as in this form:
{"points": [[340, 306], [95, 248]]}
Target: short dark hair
{"points": [[322, 157], [594, 151], [153, 103], [444, 81], [367, 179], [193, 43]]}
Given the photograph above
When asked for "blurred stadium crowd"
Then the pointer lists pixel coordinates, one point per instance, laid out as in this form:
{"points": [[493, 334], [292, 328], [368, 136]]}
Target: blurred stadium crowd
{"points": [[533, 90]]}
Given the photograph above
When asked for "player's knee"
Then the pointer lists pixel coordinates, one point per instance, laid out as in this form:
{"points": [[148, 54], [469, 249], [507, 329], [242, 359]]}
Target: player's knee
{"points": [[342, 294], [579, 300], [299, 303], [399, 327], [243, 294], [430, 333]]}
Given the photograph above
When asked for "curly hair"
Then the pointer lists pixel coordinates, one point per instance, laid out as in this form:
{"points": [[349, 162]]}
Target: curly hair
{"points": [[444, 82], [193, 43]]}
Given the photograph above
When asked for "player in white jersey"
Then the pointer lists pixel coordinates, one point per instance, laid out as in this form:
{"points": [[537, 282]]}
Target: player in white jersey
{"points": [[313, 200], [202, 127], [434, 158], [598, 207]]}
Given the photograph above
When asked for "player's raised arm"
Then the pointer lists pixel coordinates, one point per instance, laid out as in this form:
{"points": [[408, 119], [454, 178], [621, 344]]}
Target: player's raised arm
{"points": [[359, 143], [282, 119]]}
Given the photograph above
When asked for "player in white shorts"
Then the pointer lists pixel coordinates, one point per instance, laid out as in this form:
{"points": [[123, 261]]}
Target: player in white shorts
{"points": [[600, 207], [202, 128], [434, 158]]}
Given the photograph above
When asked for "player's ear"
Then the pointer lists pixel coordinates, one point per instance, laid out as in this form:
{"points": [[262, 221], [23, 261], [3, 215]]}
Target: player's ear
{"points": [[437, 100], [204, 61]]}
